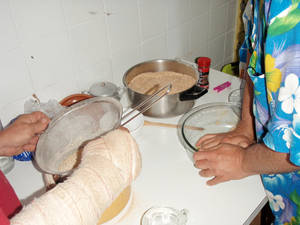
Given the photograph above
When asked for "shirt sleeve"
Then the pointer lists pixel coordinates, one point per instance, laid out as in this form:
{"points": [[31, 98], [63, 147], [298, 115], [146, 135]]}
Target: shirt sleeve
{"points": [[282, 71], [9, 202], [3, 218]]}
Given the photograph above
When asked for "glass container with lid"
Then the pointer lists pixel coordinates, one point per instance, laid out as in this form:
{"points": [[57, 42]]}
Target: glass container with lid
{"points": [[106, 89]]}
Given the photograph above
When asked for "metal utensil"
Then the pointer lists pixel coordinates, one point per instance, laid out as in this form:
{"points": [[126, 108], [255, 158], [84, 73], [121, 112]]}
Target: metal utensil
{"points": [[146, 104]]}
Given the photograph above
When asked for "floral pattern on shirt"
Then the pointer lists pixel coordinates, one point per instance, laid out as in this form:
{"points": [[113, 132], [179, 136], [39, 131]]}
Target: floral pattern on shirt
{"points": [[289, 94], [273, 39]]}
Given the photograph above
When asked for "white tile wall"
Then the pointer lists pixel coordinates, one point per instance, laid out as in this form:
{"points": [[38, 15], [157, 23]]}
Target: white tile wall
{"points": [[8, 37], [35, 18], [58, 47], [15, 80], [178, 41], [155, 48], [199, 32], [77, 12], [216, 49], [89, 42], [49, 59], [123, 60], [217, 25], [178, 12], [153, 18]]}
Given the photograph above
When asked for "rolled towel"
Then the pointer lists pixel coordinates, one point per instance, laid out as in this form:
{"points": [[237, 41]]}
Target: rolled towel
{"points": [[108, 165]]}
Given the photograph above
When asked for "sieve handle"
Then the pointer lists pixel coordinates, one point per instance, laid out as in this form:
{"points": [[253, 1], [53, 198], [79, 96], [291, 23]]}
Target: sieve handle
{"points": [[146, 104]]}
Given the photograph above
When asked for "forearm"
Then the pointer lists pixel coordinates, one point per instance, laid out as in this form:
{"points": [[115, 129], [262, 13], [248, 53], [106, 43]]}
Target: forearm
{"points": [[259, 159], [4, 144], [246, 123]]}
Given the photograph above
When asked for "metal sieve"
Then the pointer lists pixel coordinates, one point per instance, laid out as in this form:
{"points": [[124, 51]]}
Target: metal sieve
{"points": [[74, 126], [69, 129]]}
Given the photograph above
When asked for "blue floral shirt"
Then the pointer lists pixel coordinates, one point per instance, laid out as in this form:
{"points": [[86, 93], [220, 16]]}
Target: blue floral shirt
{"points": [[273, 39]]}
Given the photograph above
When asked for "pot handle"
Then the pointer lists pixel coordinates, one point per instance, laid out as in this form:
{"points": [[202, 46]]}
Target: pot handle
{"points": [[192, 94], [188, 63]]}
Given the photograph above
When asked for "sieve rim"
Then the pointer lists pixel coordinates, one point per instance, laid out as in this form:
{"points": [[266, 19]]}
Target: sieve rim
{"points": [[38, 154]]}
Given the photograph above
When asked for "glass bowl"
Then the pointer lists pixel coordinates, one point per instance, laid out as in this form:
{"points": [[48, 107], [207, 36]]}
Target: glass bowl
{"points": [[209, 118]]}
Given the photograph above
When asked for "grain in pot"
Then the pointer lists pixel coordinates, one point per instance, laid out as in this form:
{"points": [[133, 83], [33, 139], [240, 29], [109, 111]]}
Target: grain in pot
{"points": [[149, 82]]}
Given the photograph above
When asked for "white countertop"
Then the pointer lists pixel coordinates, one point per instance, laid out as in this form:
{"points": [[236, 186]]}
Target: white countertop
{"points": [[168, 177]]}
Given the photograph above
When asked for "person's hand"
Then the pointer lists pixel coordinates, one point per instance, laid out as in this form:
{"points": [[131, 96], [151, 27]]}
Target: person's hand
{"points": [[23, 134], [233, 137], [242, 135], [222, 162]]}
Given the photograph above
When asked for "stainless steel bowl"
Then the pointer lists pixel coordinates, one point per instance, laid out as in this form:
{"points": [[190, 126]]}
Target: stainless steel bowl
{"points": [[169, 105]]}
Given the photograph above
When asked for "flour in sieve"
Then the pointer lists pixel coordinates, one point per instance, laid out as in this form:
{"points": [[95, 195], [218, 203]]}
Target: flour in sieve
{"points": [[85, 129], [108, 121]]}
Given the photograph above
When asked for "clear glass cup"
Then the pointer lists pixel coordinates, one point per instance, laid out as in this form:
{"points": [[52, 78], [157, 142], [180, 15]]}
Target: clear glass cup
{"points": [[6, 163], [164, 216]]}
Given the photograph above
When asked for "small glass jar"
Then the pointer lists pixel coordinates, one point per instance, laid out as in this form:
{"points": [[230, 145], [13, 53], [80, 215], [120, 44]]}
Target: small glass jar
{"points": [[6, 163], [164, 216]]}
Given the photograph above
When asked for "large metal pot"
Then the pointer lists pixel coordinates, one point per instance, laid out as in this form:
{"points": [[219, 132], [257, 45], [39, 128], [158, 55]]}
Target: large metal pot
{"points": [[169, 105]]}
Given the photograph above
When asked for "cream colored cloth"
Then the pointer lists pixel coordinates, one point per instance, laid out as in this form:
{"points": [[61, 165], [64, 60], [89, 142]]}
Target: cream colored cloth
{"points": [[108, 165]]}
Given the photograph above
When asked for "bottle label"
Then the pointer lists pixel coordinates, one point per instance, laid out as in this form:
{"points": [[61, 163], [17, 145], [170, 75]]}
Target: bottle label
{"points": [[203, 79]]}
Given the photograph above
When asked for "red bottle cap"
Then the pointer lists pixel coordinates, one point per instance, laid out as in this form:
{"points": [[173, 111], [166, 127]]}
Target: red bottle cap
{"points": [[203, 61]]}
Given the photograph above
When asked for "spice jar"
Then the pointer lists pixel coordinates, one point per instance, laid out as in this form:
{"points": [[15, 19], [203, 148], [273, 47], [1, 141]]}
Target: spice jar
{"points": [[203, 69], [202, 85]]}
